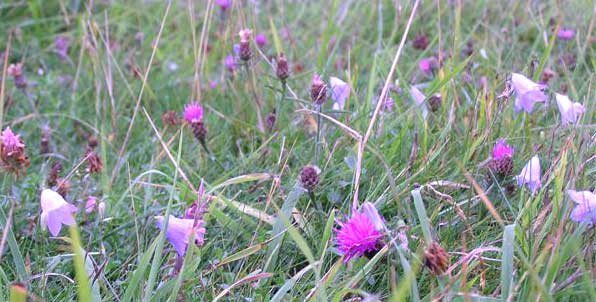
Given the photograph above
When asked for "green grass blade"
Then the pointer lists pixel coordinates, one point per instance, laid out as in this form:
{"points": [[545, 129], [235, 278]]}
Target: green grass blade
{"points": [[507, 262]]}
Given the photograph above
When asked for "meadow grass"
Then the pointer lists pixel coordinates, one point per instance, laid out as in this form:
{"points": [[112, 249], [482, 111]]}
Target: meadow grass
{"points": [[268, 239]]}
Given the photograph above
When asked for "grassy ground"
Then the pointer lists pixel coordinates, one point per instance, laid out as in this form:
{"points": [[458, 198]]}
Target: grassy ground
{"points": [[267, 239]]}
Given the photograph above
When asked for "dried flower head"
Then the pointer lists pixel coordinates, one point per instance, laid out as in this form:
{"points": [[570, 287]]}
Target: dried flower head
{"points": [[502, 158], [282, 71], [193, 113], [357, 236], [309, 177], [63, 187], [55, 211], [44, 142], [179, 231], [199, 130], [318, 90], [420, 42], [94, 163], [170, 118], [271, 118], [245, 53], [435, 101], [436, 258], [12, 152]]}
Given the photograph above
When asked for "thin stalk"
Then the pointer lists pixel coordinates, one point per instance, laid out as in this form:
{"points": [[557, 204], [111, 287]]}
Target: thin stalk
{"points": [[250, 74]]}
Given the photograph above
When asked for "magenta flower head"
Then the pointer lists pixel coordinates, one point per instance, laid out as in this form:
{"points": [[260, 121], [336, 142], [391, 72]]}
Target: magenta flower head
{"points": [[179, 232], [11, 142], [501, 149], [193, 113], [55, 211], [585, 206], [427, 65], [340, 92], [530, 175], [61, 45], [566, 34], [223, 4], [357, 236], [528, 92], [261, 39], [230, 63], [570, 111]]}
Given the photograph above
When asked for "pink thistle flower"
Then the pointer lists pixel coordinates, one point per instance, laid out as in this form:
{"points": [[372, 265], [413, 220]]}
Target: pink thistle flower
{"points": [[501, 149], [230, 63], [223, 4], [11, 142], [357, 236], [570, 111], [340, 92], [261, 39], [55, 211], [528, 92], [566, 34], [193, 112], [585, 206], [179, 231], [530, 175], [427, 65]]}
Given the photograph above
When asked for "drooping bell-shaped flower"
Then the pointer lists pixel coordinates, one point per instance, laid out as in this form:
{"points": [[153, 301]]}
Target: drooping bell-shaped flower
{"points": [[585, 206], [55, 211], [179, 231], [570, 111], [419, 98], [340, 92], [530, 175], [527, 92]]}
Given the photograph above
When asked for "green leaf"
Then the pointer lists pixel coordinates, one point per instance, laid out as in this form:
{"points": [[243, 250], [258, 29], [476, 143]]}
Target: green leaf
{"points": [[507, 262]]}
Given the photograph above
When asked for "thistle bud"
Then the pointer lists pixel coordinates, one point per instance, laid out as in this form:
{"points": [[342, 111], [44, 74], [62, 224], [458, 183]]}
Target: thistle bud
{"points": [[245, 52], [199, 130], [435, 102], [309, 177], [420, 42], [282, 71], [436, 259], [318, 90]]}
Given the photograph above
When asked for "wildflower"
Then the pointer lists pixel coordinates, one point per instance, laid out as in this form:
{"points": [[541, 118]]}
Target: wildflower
{"points": [[55, 211], [318, 90], [223, 4], [502, 159], [427, 66], [101, 208], [170, 118], [570, 111], [90, 204], [419, 98], [261, 39], [436, 258], [230, 63], [12, 152], [309, 177], [528, 92], [357, 236], [179, 231], [530, 175], [420, 42], [282, 71], [245, 51], [585, 207], [193, 112], [566, 34], [340, 92], [375, 218], [199, 130], [94, 163], [16, 71], [61, 45], [213, 84]]}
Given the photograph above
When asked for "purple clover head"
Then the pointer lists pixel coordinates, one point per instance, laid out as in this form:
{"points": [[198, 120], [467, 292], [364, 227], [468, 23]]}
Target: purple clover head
{"points": [[528, 92], [55, 211], [570, 111], [530, 175]]}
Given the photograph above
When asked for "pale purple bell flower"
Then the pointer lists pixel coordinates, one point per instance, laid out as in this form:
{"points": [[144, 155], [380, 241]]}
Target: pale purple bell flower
{"points": [[527, 92], [570, 111], [530, 175], [55, 211]]}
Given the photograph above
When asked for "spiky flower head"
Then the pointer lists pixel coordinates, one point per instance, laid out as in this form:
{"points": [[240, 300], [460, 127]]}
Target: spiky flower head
{"points": [[502, 158], [357, 236], [12, 152], [223, 4], [318, 90], [309, 177], [436, 258], [11, 142], [282, 71], [193, 113], [199, 130]]}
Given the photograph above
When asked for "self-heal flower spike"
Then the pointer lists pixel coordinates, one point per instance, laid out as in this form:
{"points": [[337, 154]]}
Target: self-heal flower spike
{"points": [[357, 236], [528, 92], [570, 111], [340, 92], [530, 175], [55, 211], [179, 231], [193, 112], [585, 206]]}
